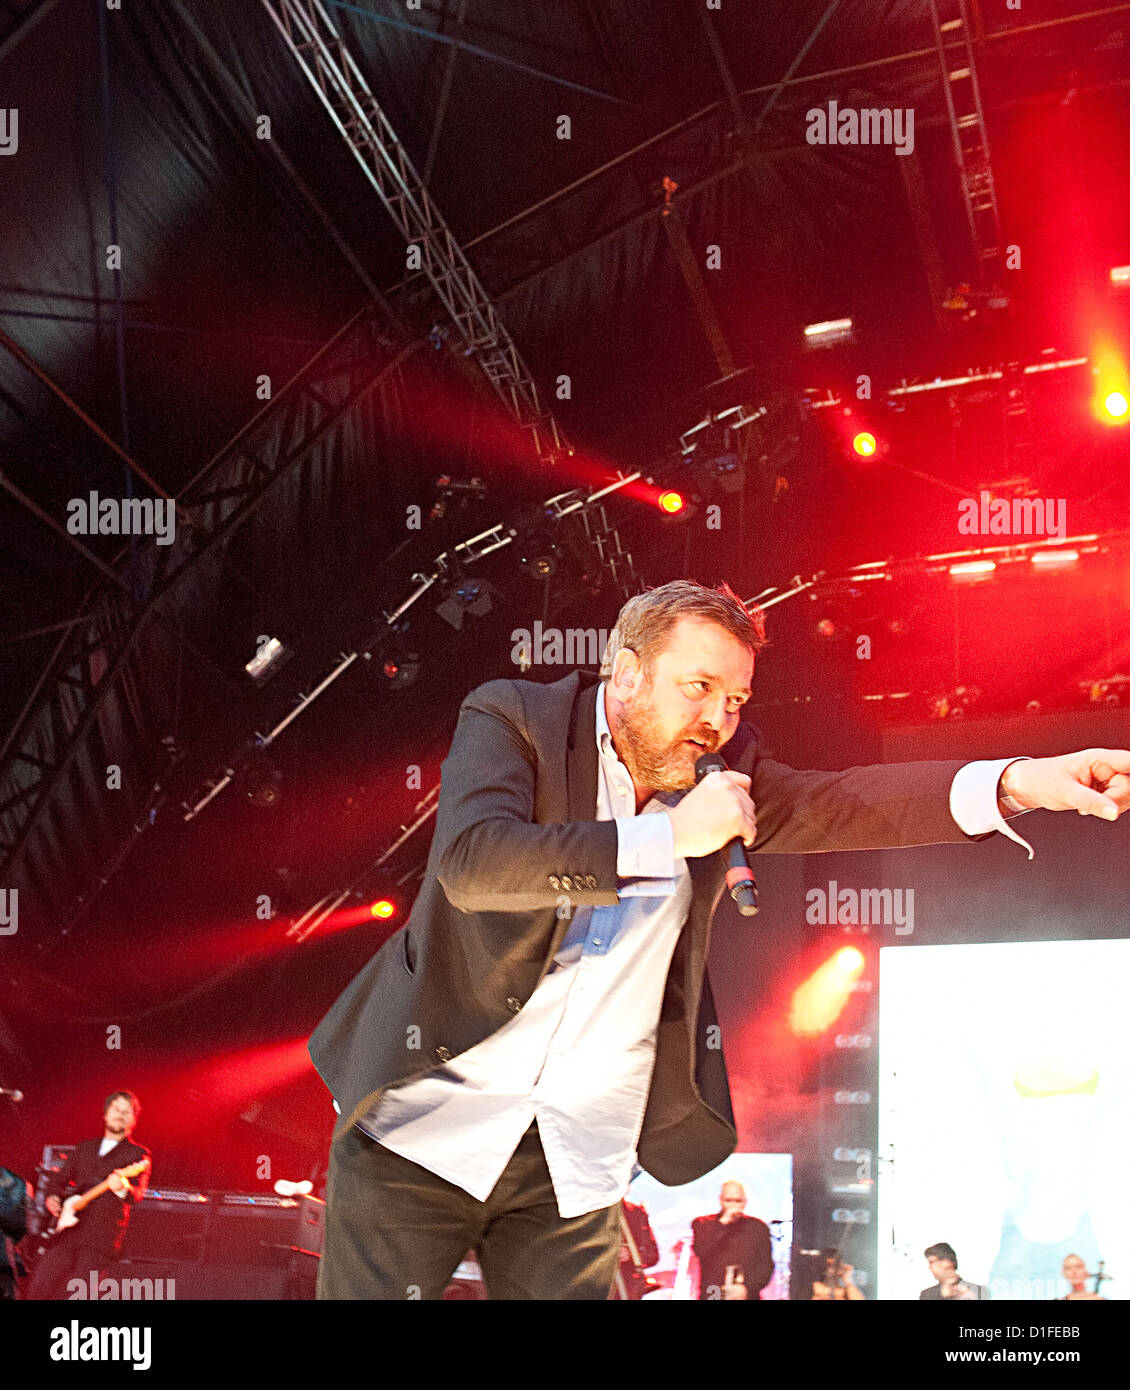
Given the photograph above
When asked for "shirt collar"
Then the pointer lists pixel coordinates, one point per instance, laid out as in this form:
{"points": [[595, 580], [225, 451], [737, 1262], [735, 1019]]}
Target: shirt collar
{"points": [[604, 744]]}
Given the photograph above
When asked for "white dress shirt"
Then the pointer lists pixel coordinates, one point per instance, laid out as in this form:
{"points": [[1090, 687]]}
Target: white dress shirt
{"points": [[579, 1056]]}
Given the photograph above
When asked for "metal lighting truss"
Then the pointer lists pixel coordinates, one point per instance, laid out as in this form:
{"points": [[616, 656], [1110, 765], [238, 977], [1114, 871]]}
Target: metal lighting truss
{"points": [[93, 653], [967, 127], [688, 444], [829, 400], [318, 49], [604, 538]]}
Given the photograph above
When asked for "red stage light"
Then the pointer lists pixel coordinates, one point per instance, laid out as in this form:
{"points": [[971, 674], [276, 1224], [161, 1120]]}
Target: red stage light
{"points": [[671, 502], [864, 444], [383, 908]]}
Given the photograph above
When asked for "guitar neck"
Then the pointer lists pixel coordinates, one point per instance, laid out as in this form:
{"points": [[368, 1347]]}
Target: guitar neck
{"points": [[104, 1186], [87, 1197]]}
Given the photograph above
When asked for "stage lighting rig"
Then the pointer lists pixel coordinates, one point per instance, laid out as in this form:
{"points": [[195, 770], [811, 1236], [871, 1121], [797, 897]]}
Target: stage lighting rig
{"points": [[393, 661], [954, 704], [463, 595], [391, 655], [966, 303], [537, 548], [454, 495], [712, 446], [1109, 690]]}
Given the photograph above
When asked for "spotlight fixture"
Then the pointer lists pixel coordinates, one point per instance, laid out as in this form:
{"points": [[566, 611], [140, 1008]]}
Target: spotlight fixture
{"points": [[824, 335], [268, 660], [858, 436], [399, 671], [537, 549], [392, 658], [394, 663], [463, 596], [263, 783], [726, 469], [1111, 400]]}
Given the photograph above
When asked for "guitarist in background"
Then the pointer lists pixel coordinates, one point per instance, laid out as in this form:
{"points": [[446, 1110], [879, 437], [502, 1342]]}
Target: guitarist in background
{"points": [[96, 1240]]}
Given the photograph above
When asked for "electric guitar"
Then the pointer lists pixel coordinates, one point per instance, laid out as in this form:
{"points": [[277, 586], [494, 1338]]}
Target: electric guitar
{"points": [[69, 1215]]}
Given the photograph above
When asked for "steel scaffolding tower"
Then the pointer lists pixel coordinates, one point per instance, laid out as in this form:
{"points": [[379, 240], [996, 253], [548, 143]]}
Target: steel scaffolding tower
{"points": [[341, 87]]}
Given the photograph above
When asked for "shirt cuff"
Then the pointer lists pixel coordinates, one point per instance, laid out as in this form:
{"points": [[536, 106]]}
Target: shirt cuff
{"points": [[645, 850], [973, 799]]}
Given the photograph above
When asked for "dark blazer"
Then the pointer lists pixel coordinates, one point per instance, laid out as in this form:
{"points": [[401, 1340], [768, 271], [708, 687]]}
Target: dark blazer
{"points": [[745, 1241], [102, 1225], [934, 1293], [515, 839]]}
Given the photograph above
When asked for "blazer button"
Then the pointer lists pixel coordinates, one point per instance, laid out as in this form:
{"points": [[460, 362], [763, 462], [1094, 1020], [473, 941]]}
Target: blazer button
{"points": [[513, 1004], [554, 881], [566, 882], [443, 1054], [591, 880]]}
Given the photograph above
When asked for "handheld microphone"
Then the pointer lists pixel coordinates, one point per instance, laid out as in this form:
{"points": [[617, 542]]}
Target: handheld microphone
{"points": [[739, 876]]}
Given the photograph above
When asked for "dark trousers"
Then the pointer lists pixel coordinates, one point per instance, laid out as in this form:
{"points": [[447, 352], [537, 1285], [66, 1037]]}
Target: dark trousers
{"points": [[394, 1230], [62, 1262]]}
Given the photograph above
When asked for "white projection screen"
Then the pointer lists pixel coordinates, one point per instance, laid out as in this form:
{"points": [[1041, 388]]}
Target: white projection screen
{"points": [[1004, 1114]]}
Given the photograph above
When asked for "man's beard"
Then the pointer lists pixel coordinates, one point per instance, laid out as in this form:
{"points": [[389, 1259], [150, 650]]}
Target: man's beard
{"points": [[651, 761]]}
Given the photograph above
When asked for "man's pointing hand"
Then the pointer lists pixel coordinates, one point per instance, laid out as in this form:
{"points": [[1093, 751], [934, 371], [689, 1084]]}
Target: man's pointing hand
{"points": [[1094, 782]]}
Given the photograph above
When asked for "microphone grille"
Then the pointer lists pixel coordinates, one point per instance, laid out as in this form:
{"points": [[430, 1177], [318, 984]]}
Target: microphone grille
{"points": [[709, 762]]}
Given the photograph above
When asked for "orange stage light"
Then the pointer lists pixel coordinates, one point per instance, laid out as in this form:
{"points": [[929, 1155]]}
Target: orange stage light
{"points": [[820, 1000]]}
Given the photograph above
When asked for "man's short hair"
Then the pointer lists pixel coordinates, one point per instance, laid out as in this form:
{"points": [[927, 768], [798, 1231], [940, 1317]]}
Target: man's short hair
{"points": [[123, 1095], [644, 623], [942, 1251]]}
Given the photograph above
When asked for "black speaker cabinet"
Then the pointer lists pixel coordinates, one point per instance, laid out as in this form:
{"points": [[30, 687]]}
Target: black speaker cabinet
{"points": [[168, 1229], [256, 1231], [185, 1281], [252, 1234]]}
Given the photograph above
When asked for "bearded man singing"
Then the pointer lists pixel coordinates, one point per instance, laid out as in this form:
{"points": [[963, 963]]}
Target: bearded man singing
{"points": [[543, 1023]]}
